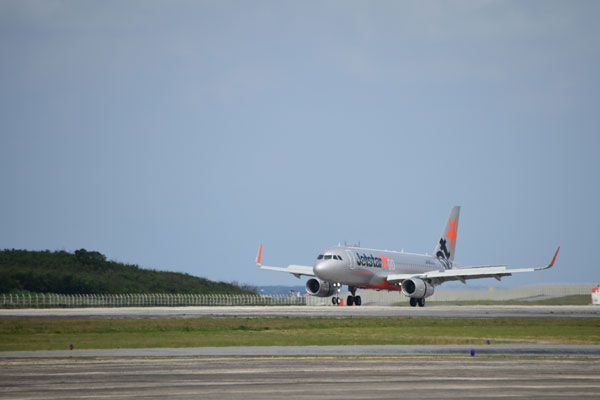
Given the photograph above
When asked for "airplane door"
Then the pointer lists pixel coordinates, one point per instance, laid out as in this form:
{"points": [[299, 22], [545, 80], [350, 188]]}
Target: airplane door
{"points": [[351, 258], [392, 264]]}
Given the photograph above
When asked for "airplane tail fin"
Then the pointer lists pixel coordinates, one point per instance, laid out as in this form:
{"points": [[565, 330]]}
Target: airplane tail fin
{"points": [[446, 245]]}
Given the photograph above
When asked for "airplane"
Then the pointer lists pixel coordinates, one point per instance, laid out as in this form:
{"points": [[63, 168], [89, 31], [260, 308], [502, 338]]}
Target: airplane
{"points": [[414, 275]]}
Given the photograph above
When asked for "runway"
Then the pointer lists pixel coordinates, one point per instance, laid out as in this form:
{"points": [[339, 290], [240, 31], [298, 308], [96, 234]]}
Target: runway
{"points": [[330, 351], [307, 372], [306, 311], [300, 378]]}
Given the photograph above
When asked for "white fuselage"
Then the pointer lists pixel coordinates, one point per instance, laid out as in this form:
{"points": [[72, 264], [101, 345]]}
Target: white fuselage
{"points": [[361, 267]]}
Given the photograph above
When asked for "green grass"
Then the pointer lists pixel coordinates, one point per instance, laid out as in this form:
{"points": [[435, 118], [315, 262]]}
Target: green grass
{"points": [[52, 334], [574, 300]]}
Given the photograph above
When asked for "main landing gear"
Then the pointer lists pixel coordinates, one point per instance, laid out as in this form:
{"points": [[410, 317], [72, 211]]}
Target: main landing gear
{"points": [[351, 300], [354, 300], [414, 301]]}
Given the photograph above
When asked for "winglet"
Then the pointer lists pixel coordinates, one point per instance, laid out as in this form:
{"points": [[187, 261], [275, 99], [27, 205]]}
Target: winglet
{"points": [[551, 262], [554, 258], [260, 254]]}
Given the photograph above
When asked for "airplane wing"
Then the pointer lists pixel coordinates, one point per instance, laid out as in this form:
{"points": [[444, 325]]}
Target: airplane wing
{"points": [[464, 273], [296, 270]]}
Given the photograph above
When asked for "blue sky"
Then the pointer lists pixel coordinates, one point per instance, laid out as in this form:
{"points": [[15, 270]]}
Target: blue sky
{"points": [[180, 135]]}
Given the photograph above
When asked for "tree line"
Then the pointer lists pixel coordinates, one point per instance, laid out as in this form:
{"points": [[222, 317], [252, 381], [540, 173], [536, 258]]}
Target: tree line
{"points": [[23, 271]]}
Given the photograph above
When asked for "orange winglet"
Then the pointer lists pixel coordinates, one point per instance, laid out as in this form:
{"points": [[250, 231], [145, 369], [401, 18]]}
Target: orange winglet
{"points": [[551, 262], [259, 254], [555, 254]]}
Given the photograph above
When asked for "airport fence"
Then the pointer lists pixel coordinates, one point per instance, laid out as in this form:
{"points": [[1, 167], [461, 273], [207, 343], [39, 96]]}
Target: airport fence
{"points": [[143, 300], [369, 297]]}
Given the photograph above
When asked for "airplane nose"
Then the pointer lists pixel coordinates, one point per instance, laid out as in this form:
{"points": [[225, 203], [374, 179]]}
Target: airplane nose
{"points": [[318, 268], [323, 269]]}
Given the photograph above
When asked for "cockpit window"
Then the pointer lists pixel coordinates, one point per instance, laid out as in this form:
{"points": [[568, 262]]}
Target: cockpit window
{"points": [[340, 258], [320, 257], [328, 257]]}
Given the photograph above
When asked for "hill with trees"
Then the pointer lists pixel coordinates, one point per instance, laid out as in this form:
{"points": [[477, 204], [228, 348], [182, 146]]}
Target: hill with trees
{"points": [[90, 272]]}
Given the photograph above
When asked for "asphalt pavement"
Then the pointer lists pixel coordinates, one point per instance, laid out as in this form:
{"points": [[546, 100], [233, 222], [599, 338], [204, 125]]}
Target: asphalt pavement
{"points": [[346, 351], [301, 378], [588, 311]]}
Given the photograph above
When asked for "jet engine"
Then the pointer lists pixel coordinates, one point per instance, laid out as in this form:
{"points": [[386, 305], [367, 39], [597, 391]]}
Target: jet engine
{"points": [[316, 287], [416, 288]]}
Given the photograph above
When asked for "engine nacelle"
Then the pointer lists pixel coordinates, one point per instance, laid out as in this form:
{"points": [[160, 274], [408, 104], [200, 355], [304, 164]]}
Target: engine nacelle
{"points": [[417, 288], [316, 287]]}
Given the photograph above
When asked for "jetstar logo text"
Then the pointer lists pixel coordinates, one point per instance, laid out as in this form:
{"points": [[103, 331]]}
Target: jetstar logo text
{"points": [[370, 261]]}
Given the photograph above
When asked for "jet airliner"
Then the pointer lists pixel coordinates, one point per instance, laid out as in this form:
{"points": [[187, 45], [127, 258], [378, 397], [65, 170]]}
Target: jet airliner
{"points": [[415, 275]]}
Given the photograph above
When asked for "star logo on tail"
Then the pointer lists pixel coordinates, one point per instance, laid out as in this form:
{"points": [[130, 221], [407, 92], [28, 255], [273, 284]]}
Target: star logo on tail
{"points": [[451, 233]]}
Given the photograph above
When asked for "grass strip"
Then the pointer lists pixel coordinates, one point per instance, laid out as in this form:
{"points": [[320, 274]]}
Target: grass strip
{"points": [[19, 334]]}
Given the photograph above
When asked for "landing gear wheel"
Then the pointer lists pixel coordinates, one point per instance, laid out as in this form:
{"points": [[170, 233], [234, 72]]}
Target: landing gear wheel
{"points": [[357, 300], [350, 300], [413, 302], [335, 301], [421, 302]]}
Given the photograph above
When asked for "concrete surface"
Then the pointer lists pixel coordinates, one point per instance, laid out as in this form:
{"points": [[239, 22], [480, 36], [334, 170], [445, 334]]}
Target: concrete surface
{"points": [[300, 378], [321, 311], [368, 350]]}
